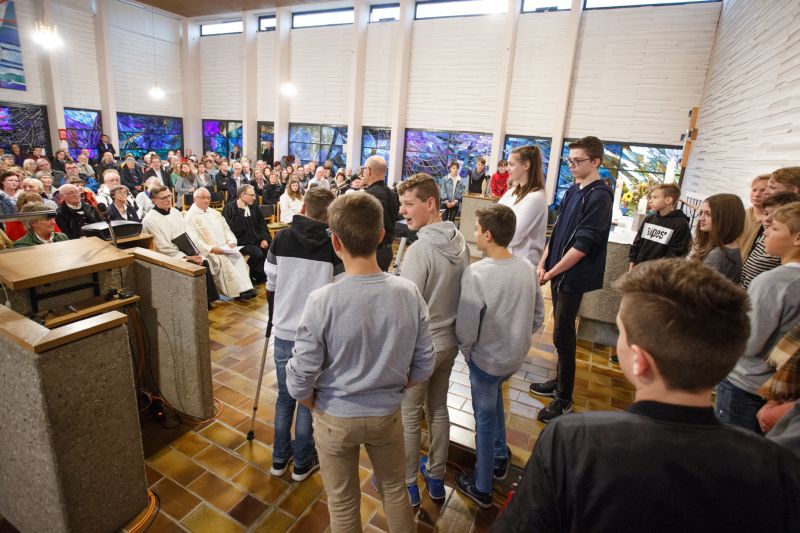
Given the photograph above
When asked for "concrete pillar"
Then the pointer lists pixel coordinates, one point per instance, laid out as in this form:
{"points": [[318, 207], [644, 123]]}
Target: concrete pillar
{"points": [[105, 71], [504, 82], [250, 85], [190, 85], [562, 107], [354, 117], [283, 25], [52, 82], [400, 96]]}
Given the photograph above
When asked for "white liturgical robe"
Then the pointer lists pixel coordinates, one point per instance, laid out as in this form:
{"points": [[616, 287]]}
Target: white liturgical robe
{"points": [[208, 229]]}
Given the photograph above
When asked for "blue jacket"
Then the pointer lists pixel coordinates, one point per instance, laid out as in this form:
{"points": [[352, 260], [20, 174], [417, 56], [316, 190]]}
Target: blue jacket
{"points": [[7, 206], [447, 192], [587, 231]]}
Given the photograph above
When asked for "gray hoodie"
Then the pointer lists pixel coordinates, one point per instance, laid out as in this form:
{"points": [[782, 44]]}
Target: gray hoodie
{"points": [[435, 263]]}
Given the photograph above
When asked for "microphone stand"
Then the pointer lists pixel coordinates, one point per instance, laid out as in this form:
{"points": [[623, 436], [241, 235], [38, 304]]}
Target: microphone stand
{"points": [[122, 292]]}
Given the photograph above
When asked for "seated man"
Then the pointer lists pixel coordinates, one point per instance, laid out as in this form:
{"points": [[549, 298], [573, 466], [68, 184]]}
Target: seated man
{"points": [[110, 180], [250, 229], [166, 224], [214, 240], [667, 464], [41, 230], [74, 213]]}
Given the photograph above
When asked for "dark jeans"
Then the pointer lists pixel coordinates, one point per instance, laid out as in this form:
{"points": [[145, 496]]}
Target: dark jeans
{"points": [[565, 311], [285, 414], [255, 261], [738, 407], [384, 256], [450, 214]]}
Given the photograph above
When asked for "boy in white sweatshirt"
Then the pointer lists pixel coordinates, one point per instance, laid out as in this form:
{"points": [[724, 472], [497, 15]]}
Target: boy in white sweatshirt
{"points": [[435, 263], [500, 307]]}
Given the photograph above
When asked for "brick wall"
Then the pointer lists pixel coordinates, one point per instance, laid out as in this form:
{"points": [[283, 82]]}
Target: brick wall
{"points": [[380, 78], [222, 60], [77, 68], [265, 76]]}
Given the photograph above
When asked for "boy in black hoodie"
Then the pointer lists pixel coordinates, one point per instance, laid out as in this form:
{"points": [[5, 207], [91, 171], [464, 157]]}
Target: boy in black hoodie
{"points": [[666, 232]]}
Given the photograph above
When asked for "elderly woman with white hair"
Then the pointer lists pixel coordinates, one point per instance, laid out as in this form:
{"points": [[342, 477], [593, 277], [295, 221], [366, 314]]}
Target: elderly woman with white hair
{"points": [[36, 185], [41, 230], [215, 241]]}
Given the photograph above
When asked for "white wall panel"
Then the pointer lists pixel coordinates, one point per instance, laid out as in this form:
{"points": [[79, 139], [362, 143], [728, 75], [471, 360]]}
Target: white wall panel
{"points": [[540, 61], [640, 70], [77, 70], [222, 63], [455, 64], [34, 92], [749, 119], [265, 76], [321, 59], [132, 55], [380, 78]]}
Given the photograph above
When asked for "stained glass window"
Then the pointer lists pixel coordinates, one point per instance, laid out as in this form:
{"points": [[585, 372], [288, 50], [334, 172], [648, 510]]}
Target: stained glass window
{"points": [[266, 133], [316, 142], [139, 134], [84, 128], [220, 136], [431, 151], [375, 141], [25, 125], [637, 166], [515, 141]]}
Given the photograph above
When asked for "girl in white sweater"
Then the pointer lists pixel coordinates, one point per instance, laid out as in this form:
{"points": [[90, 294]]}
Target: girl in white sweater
{"points": [[291, 201], [528, 200]]}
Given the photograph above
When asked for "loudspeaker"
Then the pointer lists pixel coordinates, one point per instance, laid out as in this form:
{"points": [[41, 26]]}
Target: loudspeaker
{"points": [[122, 228]]}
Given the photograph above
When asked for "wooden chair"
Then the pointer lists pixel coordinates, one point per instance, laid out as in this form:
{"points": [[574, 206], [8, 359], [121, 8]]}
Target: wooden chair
{"points": [[268, 212], [187, 200], [218, 200]]}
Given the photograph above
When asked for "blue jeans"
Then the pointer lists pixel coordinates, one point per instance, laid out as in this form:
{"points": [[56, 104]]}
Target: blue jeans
{"points": [[738, 407], [284, 413], [490, 424]]}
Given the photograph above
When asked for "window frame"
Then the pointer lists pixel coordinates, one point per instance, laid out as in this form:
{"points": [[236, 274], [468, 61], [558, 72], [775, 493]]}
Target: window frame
{"points": [[240, 21], [260, 123], [416, 16], [550, 9], [322, 11], [671, 3], [381, 6], [267, 17]]}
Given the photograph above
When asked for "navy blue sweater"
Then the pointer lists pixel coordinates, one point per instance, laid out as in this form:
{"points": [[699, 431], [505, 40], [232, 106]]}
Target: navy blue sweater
{"points": [[583, 223]]}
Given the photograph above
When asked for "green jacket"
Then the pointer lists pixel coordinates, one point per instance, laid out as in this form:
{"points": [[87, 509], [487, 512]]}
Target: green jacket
{"points": [[32, 240]]}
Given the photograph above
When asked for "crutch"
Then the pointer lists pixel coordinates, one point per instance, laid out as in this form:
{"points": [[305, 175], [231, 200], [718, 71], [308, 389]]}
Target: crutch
{"points": [[270, 302], [399, 259]]}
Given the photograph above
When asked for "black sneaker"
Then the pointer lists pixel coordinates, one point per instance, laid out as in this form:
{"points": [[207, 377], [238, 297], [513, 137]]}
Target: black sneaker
{"points": [[466, 486], [301, 473], [614, 360], [556, 408], [501, 466], [548, 388], [279, 467]]}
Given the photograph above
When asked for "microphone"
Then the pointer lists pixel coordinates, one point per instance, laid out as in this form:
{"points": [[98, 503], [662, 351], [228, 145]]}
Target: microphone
{"points": [[106, 216]]}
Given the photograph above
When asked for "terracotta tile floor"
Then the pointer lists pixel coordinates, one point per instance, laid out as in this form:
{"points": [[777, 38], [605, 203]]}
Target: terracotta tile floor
{"points": [[211, 479]]}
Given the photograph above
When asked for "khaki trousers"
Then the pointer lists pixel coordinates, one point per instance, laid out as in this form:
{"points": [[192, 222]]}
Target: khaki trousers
{"points": [[338, 442], [432, 397]]}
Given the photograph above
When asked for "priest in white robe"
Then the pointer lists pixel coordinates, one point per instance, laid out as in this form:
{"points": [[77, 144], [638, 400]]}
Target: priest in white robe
{"points": [[216, 243], [166, 224]]}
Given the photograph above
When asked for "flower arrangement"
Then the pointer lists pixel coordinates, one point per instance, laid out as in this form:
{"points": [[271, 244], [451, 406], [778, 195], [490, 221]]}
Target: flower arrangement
{"points": [[631, 196]]}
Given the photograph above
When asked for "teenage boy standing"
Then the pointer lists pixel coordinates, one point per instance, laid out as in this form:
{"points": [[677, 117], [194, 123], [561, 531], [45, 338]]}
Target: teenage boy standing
{"points": [[574, 263], [435, 263]]}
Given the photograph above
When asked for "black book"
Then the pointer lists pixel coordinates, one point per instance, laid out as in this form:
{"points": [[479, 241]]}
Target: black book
{"points": [[185, 244]]}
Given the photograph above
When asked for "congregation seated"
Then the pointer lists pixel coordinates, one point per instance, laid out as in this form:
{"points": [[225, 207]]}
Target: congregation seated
{"points": [[36, 186], [291, 201], [131, 175], [235, 180], [9, 190], [16, 229], [107, 162], [121, 208], [110, 181], [166, 224], [40, 230], [250, 229], [86, 171], [157, 171], [74, 213], [215, 241], [43, 165]]}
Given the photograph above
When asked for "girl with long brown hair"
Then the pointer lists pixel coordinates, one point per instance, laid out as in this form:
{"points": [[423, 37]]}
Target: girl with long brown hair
{"points": [[720, 224], [528, 200]]}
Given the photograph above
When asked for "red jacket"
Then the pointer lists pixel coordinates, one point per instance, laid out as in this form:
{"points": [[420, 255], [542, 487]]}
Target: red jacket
{"points": [[499, 184]]}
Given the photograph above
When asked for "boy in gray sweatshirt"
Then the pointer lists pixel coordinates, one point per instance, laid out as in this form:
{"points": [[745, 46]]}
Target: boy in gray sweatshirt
{"points": [[435, 263], [360, 343], [500, 307]]}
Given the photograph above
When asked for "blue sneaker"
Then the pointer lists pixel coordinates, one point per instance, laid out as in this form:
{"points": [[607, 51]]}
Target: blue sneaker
{"points": [[435, 486], [413, 494]]}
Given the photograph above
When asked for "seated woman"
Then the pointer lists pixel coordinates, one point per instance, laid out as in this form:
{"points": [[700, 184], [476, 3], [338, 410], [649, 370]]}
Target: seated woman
{"points": [[184, 179], [106, 163], [145, 199], [720, 224], [273, 190], [291, 201], [16, 229], [259, 182], [41, 230], [121, 209]]}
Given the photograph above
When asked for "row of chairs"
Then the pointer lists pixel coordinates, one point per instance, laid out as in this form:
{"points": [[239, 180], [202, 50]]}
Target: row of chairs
{"points": [[270, 212]]}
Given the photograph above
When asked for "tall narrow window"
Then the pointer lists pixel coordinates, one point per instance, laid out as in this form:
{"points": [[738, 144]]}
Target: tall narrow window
{"points": [[84, 128]]}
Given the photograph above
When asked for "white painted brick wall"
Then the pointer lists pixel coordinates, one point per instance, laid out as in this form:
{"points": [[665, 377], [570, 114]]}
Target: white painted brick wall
{"points": [[77, 71], [749, 119], [320, 63], [222, 60], [380, 78], [132, 55], [265, 76], [455, 64], [639, 71], [31, 64], [539, 64]]}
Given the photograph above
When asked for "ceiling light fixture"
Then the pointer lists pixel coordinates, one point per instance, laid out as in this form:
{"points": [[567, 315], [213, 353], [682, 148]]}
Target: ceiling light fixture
{"points": [[46, 36], [288, 89]]}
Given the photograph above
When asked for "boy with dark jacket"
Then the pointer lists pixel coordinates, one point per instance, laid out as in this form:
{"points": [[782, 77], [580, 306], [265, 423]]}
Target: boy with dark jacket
{"points": [[574, 263], [665, 233]]}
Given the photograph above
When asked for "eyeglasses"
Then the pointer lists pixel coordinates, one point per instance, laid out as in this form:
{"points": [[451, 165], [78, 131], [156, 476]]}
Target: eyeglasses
{"points": [[163, 197], [574, 162]]}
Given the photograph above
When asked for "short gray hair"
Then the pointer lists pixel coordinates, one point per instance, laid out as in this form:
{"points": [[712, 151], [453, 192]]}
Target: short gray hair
{"points": [[197, 192], [243, 189]]}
